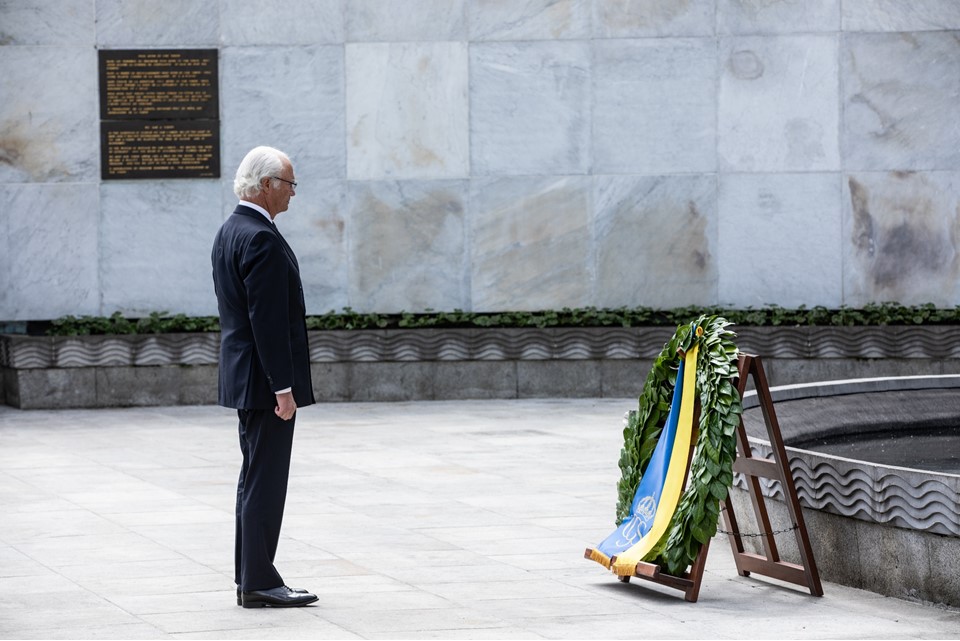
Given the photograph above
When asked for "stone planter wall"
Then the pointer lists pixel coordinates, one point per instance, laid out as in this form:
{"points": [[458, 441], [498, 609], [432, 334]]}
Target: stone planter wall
{"points": [[425, 364], [109, 371]]}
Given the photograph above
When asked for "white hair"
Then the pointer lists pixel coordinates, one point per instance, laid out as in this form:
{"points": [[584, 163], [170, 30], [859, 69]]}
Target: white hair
{"points": [[259, 163]]}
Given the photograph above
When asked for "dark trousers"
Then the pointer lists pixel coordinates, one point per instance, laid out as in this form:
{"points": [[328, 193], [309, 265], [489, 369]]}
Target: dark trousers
{"points": [[266, 442]]}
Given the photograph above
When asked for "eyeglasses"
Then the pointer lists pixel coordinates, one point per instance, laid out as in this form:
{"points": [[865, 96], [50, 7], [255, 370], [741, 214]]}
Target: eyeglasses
{"points": [[292, 183]]}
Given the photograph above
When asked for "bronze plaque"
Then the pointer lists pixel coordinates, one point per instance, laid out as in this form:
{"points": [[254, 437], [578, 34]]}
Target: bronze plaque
{"points": [[159, 113], [158, 83], [160, 149]]}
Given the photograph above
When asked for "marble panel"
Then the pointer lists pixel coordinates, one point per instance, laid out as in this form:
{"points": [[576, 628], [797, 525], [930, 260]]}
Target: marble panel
{"points": [[331, 381], [656, 241], [623, 378], [407, 110], [530, 108], [47, 22], [410, 20], [896, 15], [133, 386], [146, 23], [901, 238], [197, 384], [390, 382], [893, 560], [942, 584], [779, 240], [155, 241], [49, 251], [315, 227], [558, 379], [407, 245], [474, 379], [281, 22], [51, 388], [777, 16], [778, 103], [300, 111], [530, 243], [49, 114], [900, 96], [645, 18], [654, 106], [529, 19]]}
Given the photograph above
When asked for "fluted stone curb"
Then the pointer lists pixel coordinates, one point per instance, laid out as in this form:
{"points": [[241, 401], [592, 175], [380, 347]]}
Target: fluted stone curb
{"points": [[36, 352], [914, 499], [487, 344], [32, 352]]}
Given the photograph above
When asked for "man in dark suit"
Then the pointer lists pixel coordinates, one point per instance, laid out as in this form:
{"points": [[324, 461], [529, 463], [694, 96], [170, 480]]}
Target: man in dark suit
{"points": [[264, 365]]}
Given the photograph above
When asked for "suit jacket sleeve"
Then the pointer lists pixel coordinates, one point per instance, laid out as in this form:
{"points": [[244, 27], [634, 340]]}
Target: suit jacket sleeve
{"points": [[265, 275]]}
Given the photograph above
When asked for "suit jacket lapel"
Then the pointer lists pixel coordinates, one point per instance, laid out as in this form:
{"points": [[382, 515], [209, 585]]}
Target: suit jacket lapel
{"points": [[253, 213], [287, 248]]}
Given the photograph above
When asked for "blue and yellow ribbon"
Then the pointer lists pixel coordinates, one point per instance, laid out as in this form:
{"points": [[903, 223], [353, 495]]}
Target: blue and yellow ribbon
{"points": [[658, 494]]}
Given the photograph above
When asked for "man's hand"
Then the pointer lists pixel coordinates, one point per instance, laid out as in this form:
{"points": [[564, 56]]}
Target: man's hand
{"points": [[286, 406]]}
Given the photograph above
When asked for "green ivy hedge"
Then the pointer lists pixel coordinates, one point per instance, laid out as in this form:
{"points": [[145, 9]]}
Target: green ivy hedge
{"points": [[874, 314]]}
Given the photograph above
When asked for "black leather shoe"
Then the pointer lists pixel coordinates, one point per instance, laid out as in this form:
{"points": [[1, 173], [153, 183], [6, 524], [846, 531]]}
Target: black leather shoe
{"points": [[240, 599], [282, 597]]}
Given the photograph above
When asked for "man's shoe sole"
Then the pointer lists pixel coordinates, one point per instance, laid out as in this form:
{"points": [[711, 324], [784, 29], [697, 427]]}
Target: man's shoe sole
{"points": [[267, 604]]}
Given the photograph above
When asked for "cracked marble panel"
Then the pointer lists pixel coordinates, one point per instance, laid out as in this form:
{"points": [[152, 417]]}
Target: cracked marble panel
{"points": [[43, 22], [407, 245], [901, 237], [778, 103], [155, 243], [529, 19], [655, 106], [646, 18], [779, 240], [777, 16], [315, 227], [145, 23], [48, 251], [897, 15], [409, 20], [300, 111], [407, 110], [656, 240], [530, 108], [900, 101], [530, 243], [49, 114], [308, 22]]}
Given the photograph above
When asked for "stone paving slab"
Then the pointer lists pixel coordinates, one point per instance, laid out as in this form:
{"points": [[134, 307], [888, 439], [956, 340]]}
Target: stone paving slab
{"points": [[419, 520]]}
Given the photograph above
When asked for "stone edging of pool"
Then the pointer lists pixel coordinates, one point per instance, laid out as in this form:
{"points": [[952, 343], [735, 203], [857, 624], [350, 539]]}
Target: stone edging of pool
{"points": [[891, 530]]}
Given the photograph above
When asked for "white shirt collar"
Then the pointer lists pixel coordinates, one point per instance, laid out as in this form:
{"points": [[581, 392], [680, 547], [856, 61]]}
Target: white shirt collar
{"points": [[263, 211]]}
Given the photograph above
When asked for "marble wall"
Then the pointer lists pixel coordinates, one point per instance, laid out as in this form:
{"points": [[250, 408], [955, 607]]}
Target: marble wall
{"points": [[505, 154]]}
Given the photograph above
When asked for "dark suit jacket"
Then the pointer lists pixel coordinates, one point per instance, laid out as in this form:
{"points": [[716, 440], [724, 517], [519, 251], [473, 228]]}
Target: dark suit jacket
{"points": [[263, 344]]}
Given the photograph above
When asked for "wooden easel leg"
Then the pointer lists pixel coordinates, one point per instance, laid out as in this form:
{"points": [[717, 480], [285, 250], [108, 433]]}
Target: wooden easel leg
{"points": [[778, 469], [792, 501]]}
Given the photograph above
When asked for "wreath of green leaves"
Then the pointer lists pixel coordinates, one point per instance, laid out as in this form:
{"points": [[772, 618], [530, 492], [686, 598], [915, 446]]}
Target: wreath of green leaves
{"points": [[711, 470]]}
